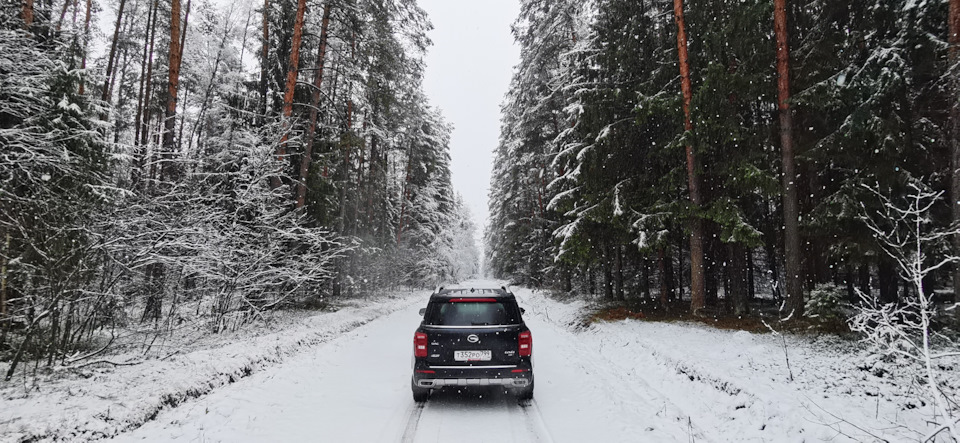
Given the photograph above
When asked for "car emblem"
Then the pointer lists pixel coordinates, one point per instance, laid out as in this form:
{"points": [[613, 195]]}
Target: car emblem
{"points": [[472, 338]]}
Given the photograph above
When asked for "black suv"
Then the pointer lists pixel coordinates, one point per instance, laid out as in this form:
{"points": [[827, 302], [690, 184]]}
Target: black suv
{"points": [[472, 337]]}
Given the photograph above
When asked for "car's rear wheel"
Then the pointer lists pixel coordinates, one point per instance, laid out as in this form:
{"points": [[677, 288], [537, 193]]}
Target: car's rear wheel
{"points": [[420, 395], [525, 393]]}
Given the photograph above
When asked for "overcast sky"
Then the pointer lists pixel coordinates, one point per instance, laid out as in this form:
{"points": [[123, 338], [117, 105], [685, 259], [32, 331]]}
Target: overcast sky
{"points": [[468, 72]]}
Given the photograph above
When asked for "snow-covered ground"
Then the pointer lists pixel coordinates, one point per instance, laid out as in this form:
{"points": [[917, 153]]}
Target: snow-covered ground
{"points": [[623, 381], [735, 385], [103, 400]]}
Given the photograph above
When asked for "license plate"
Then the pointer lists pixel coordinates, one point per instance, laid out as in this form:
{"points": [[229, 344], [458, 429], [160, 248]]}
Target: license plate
{"points": [[472, 355]]}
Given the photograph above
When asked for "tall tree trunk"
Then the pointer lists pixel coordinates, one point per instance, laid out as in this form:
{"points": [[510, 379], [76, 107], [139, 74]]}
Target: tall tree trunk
{"points": [[63, 14], [173, 87], [618, 273], [607, 272], [210, 86], [863, 280], [849, 280], [791, 210], [264, 58], [645, 277], [953, 58], [314, 108], [3, 290], [887, 280], [713, 251], [737, 272], [404, 196], [105, 96], [697, 284], [86, 38], [154, 276], [27, 14], [665, 270], [148, 89], [53, 342], [146, 58], [123, 67], [291, 85]]}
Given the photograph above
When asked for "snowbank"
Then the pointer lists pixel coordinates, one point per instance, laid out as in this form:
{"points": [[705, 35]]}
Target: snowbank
{"points": [[104, 401], [735, 385]]}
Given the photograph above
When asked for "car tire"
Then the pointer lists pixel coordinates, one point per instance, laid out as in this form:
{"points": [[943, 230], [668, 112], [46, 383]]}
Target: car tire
{"points": [[420, 395], [526, 393]]}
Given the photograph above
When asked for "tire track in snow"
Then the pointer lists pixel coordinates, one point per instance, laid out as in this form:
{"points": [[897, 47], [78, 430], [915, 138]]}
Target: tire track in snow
{"points": [[497, 415], [535, 420], [413, 419]]}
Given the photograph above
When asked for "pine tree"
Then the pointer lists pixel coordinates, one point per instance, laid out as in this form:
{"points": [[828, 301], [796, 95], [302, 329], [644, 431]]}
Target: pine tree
{"points": [[791, 217], [697, 269]]}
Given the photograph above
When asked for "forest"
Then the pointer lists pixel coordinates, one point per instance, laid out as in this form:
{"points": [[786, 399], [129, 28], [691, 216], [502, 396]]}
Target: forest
{"points": [[702, 154], [740, 219], [166, 164]]}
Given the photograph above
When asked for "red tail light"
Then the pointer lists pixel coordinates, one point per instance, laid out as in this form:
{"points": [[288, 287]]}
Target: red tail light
{"points": [[420, 344], [526, 344]]}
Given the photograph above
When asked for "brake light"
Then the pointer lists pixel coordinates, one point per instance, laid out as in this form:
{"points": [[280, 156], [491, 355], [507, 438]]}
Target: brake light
{"points": [[526, 344], [473, 300], [419, 344]]}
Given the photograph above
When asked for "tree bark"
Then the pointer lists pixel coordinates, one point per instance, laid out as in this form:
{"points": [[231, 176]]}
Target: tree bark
{"points": [[314, 108], [264, 57], [291, 85], [63, 14], [697, 283], [173, 87], [86, 38], [27, 14], [210, 86], [737, 268], [3, 290], [791, 210], [645, 277], [618, 273], [144, 73], [887, 280], [404, 196], [607, 272], [665, 264], [148, 86], [953, 58], [105, 96]]}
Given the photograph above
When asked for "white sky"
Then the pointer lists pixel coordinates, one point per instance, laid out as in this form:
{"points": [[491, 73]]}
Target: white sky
{"points": [[468, 72]]}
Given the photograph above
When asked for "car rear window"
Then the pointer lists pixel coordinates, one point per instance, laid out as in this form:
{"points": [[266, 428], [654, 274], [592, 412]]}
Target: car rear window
{"points": [[472, 313]]}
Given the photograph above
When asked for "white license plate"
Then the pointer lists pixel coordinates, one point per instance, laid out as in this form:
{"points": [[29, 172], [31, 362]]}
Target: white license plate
{"points": [[472, 355]]}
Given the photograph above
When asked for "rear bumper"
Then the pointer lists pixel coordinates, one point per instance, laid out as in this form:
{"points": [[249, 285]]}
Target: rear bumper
{"points": [[516, 376], [466, 382]]}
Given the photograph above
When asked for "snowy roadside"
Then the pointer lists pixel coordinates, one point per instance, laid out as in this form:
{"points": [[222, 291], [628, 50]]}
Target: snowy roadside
{"points": [[103, 401], [735, 385]]}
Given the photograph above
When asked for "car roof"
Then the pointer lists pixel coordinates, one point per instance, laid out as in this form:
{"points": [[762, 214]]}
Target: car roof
{"points": [[444, 293]]}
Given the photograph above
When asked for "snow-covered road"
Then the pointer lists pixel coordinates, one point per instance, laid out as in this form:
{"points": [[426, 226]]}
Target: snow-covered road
{"points": [[628, 381], [356, 388]]}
